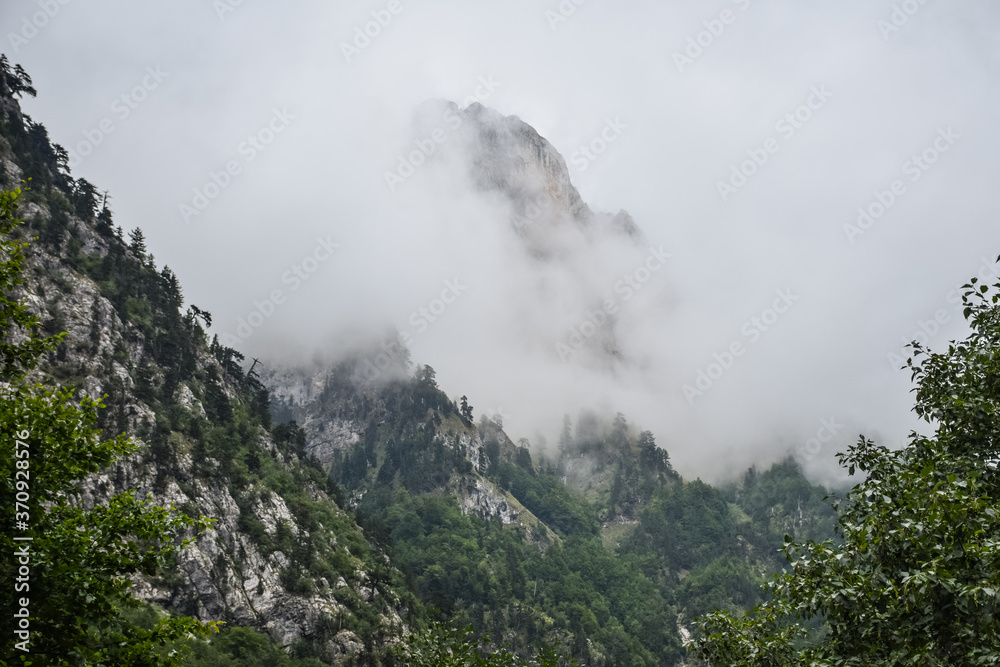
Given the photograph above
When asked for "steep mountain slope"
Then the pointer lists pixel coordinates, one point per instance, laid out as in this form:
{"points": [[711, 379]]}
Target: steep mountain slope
{"points": [[630, 554], [504, 155], [472, 522], [338, 409], [282, 557], [570, 261], [414, 465]]}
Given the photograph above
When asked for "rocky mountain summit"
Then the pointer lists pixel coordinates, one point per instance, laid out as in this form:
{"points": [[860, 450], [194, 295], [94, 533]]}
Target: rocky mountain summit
{"points": [[505, 156]]}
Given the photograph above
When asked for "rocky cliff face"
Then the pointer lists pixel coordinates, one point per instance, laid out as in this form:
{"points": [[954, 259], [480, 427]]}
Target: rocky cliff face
{"points": [[253, 566], [575, 262], [505, 156], [241, 571], [339, 407], [338, 401]]}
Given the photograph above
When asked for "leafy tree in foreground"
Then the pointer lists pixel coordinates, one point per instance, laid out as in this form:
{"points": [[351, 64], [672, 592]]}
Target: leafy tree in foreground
{"points": [[66, 568], [916, 580]]}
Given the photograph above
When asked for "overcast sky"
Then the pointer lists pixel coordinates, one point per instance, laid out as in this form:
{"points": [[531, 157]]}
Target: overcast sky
{"points": [[834, 101]]}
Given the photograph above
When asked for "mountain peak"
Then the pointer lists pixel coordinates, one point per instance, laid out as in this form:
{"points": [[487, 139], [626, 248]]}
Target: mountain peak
{"points": [[507, 156]]}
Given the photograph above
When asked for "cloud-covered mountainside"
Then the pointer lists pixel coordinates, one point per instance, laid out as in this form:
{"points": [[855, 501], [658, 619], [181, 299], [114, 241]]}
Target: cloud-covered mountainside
{"points": [[520, 291], [353, 496]]}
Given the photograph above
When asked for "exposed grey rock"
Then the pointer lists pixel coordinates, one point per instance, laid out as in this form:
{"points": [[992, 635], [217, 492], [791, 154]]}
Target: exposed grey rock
{"points": [[226, 576], [185, 398], [484, 499], [506, 156]]}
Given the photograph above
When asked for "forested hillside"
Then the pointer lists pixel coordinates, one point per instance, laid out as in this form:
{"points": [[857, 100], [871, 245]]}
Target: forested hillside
{"points": [[602, 546], [208, 443]]}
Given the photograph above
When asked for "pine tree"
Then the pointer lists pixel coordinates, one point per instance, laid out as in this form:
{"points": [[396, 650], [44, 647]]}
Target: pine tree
{"points": [[14, 82], [138, 243], [466, 410]]}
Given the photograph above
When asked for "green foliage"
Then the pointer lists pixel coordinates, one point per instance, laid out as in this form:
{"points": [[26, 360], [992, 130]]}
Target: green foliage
{"points": [[14, 82], [42, 163], [916, 579], [687, 524], [724, 583], [549, 500], [453, 645], [17, 357], [597, 602], [692, 550], [617, 472], [780, 501], [79, 558], [242, 647]]}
